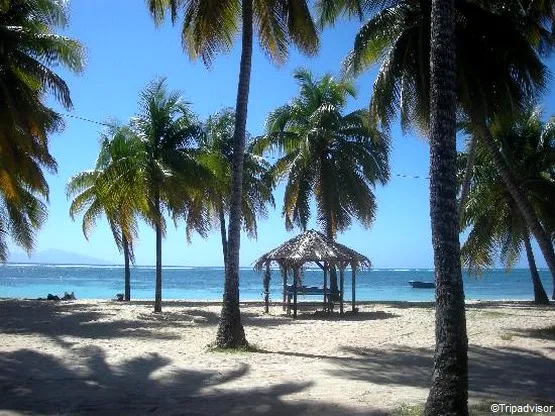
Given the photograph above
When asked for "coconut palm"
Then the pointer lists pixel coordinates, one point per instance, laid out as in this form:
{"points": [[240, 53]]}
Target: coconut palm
{"points": [[22, 202], [449, 388], [114, 188], [168, 131], [209, 27], [216, 148], [334, 157], [506, 37], [497, 226], [28, 51], [419, 78]]}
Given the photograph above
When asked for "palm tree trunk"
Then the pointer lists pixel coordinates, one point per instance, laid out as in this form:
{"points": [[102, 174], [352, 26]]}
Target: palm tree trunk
{"points": [[223, 233], [230, 330], [521, 200], [158, 288], [449, 389], [540, 297], [472, 147], [127, 272], [334, 289]]}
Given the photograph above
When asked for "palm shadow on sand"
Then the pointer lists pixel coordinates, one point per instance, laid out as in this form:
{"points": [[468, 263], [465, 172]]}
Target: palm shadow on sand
{"points": [[58, 320], [500, 374], [36, 383]]}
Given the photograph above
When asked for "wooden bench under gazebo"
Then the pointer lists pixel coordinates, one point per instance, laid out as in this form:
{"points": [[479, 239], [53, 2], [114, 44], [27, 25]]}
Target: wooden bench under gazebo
{"points": [[311, 247]]}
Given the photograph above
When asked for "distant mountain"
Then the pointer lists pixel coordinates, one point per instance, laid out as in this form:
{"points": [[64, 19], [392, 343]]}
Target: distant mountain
{"points": [[54, 256]]}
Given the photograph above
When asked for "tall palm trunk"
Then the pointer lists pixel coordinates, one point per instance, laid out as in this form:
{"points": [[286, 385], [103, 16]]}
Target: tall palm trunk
{"points": [[540, 297], [449, 390], [158, 229], [223, 233], [127, 272], [521, 200], [334, 288], [230, 330]]}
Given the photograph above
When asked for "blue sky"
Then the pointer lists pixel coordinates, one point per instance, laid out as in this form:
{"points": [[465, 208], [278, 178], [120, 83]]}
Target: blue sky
{"points": [[125, 52]]}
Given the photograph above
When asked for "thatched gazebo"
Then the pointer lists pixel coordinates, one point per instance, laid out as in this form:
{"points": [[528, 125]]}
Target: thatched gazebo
{"points": [[311, 247]]}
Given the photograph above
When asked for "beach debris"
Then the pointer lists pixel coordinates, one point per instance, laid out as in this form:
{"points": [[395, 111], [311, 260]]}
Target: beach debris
{"points": [[67, 296]]}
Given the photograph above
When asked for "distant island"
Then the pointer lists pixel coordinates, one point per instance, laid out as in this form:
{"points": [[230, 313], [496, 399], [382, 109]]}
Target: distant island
{"points": [[53, 256]]}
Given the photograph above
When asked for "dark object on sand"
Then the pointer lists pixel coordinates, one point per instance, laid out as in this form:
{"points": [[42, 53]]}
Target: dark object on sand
{"points": [[417, 284], [68, 296], [119, 297]]}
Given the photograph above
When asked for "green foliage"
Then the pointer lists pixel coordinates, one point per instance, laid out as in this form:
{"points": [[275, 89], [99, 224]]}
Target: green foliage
{"points": [[216, 152], [335, 158], [144, 169], [496, 227], [505, 38], [169, 130], [115, 187], [210, 26], [28, 51]]}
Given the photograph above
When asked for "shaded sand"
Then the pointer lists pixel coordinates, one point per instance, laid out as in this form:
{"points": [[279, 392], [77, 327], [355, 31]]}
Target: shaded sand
{"points": [[110, 358]]}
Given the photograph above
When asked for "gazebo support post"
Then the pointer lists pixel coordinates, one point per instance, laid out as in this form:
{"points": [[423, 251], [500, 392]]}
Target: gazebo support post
{"points": [[267, 288], [341, 286], [284, 277], [295, 282], [325, 289], [353, 271]]}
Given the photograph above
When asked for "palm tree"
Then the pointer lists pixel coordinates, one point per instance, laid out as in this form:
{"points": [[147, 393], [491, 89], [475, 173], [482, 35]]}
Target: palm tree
{"points": [[168, 132], [24, 192], [495, 220], [449, 390], [335, 158], [28, 51], [407, 36], [506, 37], [115, 188], [216, 148], [209, 28]]}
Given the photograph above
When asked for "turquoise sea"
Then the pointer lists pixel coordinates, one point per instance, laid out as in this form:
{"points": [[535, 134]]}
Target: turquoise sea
{"points": [[206, 283]]}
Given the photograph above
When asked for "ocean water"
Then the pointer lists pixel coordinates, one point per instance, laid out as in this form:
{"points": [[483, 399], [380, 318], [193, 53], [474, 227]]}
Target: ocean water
{"points": [[206, 283]]}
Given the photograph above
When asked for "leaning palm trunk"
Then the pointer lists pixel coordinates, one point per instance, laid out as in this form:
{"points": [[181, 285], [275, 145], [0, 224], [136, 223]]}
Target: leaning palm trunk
{"points": [[230, 330], [449, 390], [521, 200], [540, 297], [127, 272], [471, 158]]}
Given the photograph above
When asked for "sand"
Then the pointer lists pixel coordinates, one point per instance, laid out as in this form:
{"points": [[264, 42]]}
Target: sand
{"points": [[103, 357]]}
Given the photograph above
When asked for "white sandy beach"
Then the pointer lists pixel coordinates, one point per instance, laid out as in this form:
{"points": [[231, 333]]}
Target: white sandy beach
{"points": [[102, 357]]}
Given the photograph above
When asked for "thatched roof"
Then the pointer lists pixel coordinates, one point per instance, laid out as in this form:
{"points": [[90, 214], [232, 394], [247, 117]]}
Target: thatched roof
{"points": [[313, 246]]}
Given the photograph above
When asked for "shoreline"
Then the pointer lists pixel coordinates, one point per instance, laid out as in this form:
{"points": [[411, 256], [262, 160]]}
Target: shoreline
{"points": [[253, 302]]}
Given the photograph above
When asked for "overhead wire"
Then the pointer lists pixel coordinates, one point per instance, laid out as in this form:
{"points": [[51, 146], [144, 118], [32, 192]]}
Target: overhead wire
{"points": [[400, 175]]}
